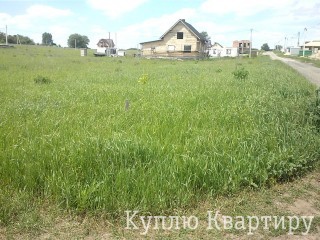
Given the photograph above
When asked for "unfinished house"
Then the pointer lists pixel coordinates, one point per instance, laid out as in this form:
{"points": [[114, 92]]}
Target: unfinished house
{"points": [[182, 40], [242, 45]]}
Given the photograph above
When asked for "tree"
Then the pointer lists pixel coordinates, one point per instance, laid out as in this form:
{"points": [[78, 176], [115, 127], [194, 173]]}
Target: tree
{"points": [[205, 35], [47, 38], [265, 47], [26, 40], [2, 37], [278, 47], [78, 41]]}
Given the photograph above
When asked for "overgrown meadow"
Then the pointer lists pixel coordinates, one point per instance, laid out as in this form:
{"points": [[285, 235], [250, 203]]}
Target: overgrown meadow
{"points": [[114, 134]]}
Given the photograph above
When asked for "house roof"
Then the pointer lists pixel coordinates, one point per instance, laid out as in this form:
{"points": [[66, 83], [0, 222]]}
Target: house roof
{"points": [[152, 41], [188, 26], [216, 44], [106, 43], [313, 44]]}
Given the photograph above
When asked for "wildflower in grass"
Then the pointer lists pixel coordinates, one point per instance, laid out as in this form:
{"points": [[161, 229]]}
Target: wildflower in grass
{"points": [[144, 78]]}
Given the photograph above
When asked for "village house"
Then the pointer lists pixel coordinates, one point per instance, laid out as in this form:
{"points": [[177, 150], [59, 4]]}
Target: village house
{"points": [[105, 47], [182, 40], [217, 50], [313, 46]]}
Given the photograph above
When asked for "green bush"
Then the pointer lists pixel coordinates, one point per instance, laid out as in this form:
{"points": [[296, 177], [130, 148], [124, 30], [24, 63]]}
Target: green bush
{"points": [[241, 73]]}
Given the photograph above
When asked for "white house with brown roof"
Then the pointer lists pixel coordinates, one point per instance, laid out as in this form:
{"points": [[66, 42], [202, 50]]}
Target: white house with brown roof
{"points": [[105, 47], [314, 46], [181, 40]]}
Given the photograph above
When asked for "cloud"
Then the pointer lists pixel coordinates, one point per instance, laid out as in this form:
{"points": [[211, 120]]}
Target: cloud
{"points": [[116, 8], [242, 8], [60, 34], [35, 13], [36, 20], [47, 12]]}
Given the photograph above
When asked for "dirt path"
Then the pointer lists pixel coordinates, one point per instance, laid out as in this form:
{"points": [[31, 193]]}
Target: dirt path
{"points": [[307, 70]]}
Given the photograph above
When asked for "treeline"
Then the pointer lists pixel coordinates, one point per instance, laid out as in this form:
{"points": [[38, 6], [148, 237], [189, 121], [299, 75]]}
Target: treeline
{"points": [[13, 39]]}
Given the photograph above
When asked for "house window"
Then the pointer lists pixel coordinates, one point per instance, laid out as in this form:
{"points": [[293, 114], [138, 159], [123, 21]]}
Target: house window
{"points": [[179, 35], [187, 48], [240, 45], [214, 51], [171, 48], [228, 51], [244, 45]]}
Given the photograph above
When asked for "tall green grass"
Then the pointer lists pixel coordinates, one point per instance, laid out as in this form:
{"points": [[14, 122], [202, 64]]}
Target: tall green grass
{"points": [[191, 130]]}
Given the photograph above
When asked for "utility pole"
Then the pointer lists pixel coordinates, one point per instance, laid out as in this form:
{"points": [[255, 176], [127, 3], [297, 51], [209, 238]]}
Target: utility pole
{"points": [[250, 42], [75, 43], [285, 45], [304, 41], [242, 48], [6, 35], [298, 39]]}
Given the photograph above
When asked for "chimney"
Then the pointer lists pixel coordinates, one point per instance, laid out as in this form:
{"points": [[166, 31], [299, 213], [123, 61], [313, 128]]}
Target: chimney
{"points": [[183, 20]]}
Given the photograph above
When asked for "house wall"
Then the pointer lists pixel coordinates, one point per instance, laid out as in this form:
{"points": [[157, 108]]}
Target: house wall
{"points": [[171, 46], [294, 51], [101, 50], [223, 52], [313, 49]]}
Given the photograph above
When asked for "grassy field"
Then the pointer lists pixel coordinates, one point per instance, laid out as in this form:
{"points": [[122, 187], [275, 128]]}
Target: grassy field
{"points": [[113, 134]]}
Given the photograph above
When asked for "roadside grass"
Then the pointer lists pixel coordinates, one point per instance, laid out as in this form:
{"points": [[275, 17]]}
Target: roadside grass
{"points": [[314, 62], [97, 141]]}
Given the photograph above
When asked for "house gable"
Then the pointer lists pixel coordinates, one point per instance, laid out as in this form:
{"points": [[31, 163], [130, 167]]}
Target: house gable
{"points": [[188, 27], [217, 45], [181, 39]]}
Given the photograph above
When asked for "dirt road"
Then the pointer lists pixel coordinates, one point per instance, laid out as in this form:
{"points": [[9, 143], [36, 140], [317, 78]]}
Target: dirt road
{"points": [[307, 70]]}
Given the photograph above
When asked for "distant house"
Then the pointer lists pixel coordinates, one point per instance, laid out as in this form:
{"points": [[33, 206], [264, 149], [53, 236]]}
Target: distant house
{"points": [[181, 40], [106, 47], [217, 50]]}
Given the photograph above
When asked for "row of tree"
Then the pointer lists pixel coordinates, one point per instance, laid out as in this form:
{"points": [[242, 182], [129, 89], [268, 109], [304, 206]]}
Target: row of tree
{"points": [[12, 39], [266, 47], [74, 41]]}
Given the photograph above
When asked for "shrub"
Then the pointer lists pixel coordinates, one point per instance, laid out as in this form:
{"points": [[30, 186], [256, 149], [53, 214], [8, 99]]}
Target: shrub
{"points": [[42, 80], [241, 73]]}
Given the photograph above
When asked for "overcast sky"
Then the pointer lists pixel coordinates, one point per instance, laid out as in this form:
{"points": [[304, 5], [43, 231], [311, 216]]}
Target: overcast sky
{"points": [[134, 21]]}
